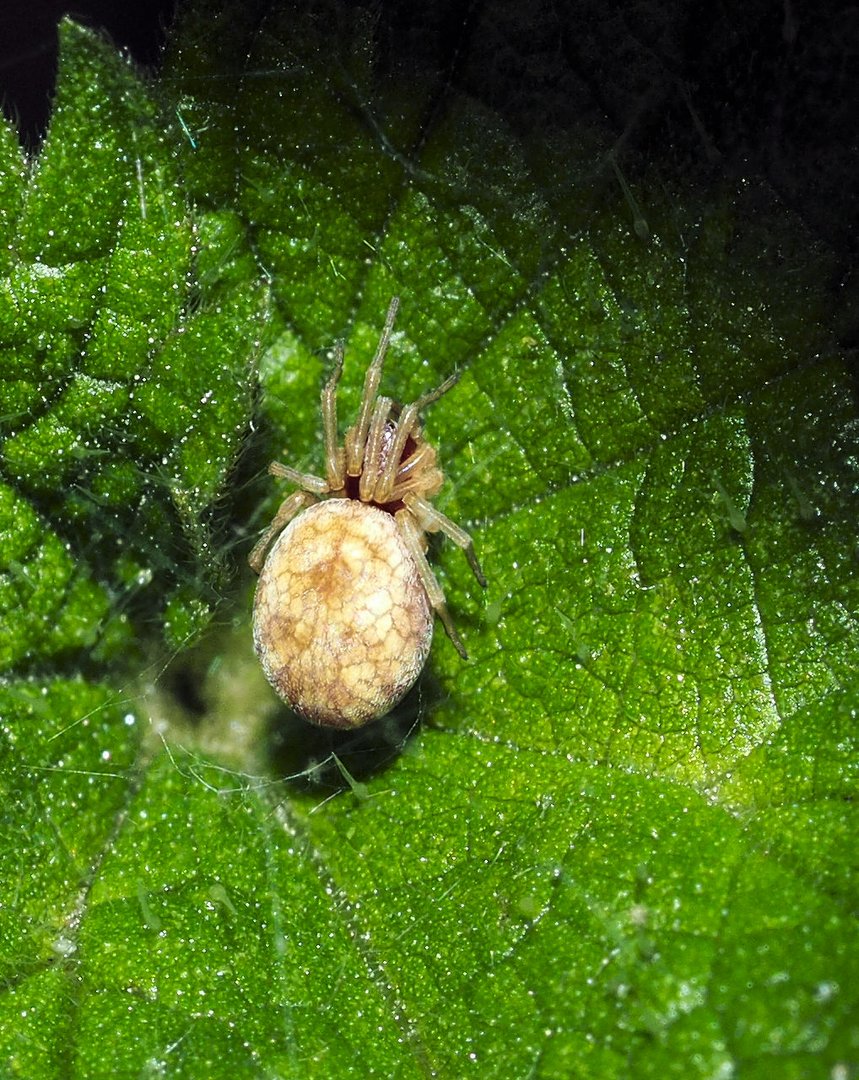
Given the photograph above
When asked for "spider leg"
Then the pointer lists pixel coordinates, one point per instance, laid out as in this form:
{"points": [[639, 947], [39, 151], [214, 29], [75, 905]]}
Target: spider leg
{"points": [[306, 481], [405, 426], [335, 461], [418, 474], [373, 449], [432, 520], [413, 539], [289, 508], [356, 436]]}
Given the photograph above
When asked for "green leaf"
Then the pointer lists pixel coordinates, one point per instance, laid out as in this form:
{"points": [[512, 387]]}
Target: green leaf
{"points": [[127, 378], [619, 840]]}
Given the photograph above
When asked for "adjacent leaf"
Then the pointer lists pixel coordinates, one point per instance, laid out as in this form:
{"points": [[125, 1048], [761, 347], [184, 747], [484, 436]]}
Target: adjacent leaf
{"points": [[127, 382]]}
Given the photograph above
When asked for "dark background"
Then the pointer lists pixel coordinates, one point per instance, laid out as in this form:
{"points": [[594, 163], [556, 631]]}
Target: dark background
{"points": [[28, 47], [772, 85]]}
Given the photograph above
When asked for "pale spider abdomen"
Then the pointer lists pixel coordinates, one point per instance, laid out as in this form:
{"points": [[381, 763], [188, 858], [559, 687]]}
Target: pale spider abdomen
{"points": [[342, 622]]}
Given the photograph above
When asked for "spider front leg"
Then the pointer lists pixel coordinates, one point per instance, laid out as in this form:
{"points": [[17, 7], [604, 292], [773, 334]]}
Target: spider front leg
{"points": [[335, 455], [406, 425], [289, 508], [356, 436], [373, 448]]}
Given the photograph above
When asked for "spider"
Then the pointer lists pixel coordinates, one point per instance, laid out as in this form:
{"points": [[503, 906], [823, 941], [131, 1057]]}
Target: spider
{"points": [[343, 612]]}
